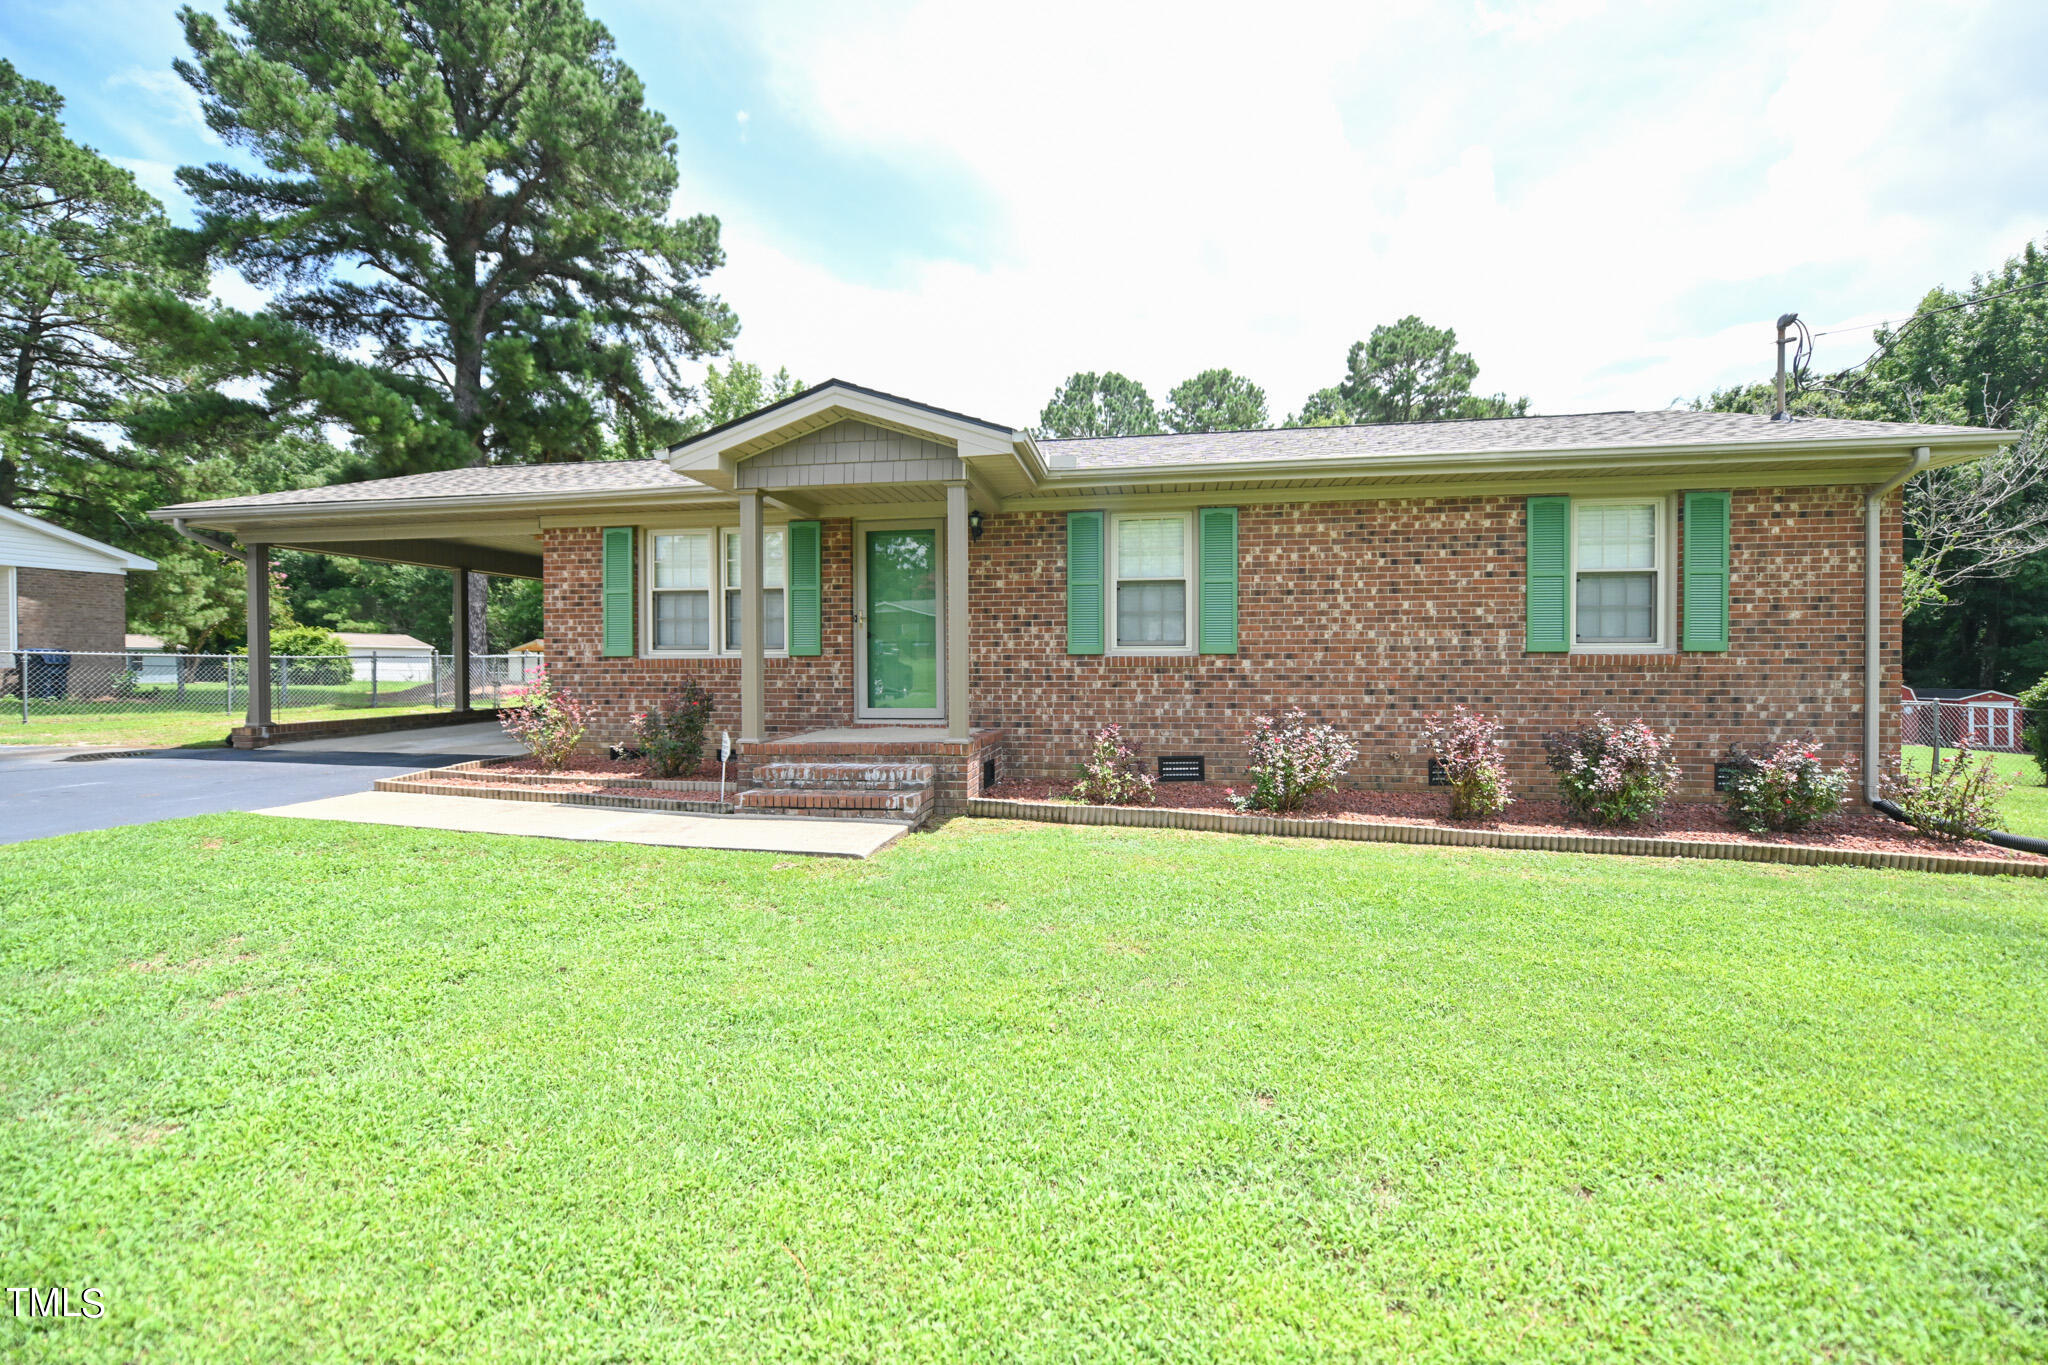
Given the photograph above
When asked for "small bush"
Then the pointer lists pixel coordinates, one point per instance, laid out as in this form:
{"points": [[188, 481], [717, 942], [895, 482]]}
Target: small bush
{"points": [[311, 655], [2035, 736], [1951, 804], [1783, 787], [1612, 774], [549, 722], [1468, 746], [671, 734], [1291, 759], [1110, 775]]}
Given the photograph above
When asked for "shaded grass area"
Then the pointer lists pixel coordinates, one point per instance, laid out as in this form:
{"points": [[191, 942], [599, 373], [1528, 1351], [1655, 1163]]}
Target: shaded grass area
{"points": [[296, 1090], [2025, 808]]}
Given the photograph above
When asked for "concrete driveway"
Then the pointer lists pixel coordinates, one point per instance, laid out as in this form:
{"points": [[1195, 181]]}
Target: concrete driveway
{"points": [[50, 791]]}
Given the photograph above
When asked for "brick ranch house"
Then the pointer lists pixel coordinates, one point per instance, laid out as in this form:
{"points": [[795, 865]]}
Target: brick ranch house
{"points": [[59, 590], [855, 574]]}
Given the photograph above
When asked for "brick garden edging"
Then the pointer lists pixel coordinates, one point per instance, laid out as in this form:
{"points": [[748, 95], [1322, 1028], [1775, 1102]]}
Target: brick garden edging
{"points": [[1154, 817], [421, 783]]}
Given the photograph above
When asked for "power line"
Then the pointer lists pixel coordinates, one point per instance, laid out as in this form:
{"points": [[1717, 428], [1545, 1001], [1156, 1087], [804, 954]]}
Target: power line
{"points": [[1885, 349]]}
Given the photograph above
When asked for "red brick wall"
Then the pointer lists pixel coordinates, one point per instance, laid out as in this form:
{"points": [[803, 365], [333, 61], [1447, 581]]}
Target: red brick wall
{"points": [[803, 694], [65, 609], [1365, 614]]}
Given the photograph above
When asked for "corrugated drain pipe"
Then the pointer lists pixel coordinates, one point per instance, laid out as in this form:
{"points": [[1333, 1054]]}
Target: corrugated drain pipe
{"points": [[1873, 616]]}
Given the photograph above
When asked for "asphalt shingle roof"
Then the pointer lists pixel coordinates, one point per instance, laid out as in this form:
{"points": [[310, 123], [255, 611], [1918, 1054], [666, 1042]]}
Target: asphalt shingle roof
{"points": [[1595, 430], [596, 476], [1592, 430]]}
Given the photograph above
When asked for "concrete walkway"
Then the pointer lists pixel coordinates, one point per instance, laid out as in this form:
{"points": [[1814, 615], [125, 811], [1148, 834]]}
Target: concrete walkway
{"points": [[479, 815]]}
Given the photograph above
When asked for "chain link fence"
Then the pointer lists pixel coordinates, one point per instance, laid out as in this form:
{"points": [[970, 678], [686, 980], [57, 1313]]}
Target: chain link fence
{"points": [[47, 686], [1999, 727]]}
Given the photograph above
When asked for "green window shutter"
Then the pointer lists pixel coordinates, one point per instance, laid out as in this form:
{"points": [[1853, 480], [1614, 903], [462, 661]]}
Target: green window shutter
{"points": [[1084, 582], [800, 554], [618, 591], [1549, 576], [1218, 555], [1706, 572]]}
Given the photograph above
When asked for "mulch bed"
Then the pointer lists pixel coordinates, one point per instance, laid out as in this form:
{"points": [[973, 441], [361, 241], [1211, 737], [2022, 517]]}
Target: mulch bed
{"points": [[1699, 821]]}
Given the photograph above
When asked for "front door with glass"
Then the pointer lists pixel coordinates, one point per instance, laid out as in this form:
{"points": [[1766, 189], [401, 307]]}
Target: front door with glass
{"points": [[898, 623]]}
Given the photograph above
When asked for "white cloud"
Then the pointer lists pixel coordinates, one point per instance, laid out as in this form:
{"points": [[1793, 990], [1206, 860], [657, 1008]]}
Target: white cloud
{"points": [[1181, 187], [166, 95]]}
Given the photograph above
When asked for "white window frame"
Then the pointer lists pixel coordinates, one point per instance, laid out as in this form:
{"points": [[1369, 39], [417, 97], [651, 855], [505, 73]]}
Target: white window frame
{"points": [[718, 572], [1190, 602], [1663, 592], [648, 650], [719, 646]]}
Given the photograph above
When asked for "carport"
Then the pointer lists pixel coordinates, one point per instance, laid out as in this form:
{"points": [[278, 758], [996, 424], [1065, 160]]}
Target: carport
{"points": [[475, 523]]}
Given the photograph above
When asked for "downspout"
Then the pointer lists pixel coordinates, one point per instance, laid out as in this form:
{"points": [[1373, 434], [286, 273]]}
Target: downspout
{"points": [[1873, 641], [219, 547]]}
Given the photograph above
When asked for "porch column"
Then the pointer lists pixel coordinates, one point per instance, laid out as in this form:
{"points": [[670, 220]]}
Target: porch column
{"points": [[956, 611], [753, 675], [460, 649], [257, 559]]}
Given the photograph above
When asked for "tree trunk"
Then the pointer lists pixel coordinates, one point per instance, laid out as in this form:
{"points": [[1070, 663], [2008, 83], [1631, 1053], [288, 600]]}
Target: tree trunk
{"points": [[479, 596]]}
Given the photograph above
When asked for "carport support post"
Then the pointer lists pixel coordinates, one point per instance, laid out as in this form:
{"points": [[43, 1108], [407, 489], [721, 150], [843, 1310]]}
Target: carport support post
{"points": [[753, 676], [956, 611], [258, 561], [460, 647]]}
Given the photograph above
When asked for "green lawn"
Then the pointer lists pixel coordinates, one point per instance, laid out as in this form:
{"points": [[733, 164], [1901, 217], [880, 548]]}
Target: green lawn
{"points": [[298, 1091], [2026, 805]]}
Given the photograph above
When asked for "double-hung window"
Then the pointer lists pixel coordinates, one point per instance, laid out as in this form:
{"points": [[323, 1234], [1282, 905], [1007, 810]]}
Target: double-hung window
{"points": [[773, 581], [1619, 549], [680, 585], [1150, 562]]}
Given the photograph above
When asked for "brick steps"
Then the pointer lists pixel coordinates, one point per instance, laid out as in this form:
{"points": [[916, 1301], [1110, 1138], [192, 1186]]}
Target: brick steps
{"points": [[858, 776], [912, 804]]}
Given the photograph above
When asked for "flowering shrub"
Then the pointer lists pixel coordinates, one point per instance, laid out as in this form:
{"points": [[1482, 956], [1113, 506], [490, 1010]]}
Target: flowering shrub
{"points": [[1612, 774], [1954, 803], [671, 735], [549, 723], [1110, 775], [1291, 760], [1468, 746], [1784, 787]]}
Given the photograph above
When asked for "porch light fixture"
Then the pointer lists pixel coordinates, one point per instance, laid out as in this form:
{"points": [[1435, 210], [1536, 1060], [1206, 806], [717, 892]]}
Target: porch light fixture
{"points": [[974, 524]]}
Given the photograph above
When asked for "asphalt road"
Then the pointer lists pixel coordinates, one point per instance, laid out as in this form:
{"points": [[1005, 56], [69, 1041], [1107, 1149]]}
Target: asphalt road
{"points": [[44, 792]]}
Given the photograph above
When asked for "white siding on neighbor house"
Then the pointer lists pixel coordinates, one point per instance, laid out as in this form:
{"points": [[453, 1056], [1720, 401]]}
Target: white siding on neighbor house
{"points": [[28, 548], [7, 616]]}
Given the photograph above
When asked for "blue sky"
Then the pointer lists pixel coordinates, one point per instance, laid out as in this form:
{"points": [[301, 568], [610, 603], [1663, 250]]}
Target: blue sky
{"points": [[1610, 202]]}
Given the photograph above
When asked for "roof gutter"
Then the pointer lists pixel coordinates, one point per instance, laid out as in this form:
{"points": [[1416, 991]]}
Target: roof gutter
{"points": [[219, 547], [1873, 616]]}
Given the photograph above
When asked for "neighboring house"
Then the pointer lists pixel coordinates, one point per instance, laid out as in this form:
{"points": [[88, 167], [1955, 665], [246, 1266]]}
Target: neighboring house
{"points": [[523, 662], [853, 573], [1987, 717], [399, 658], [60, 590], [149, 662]]}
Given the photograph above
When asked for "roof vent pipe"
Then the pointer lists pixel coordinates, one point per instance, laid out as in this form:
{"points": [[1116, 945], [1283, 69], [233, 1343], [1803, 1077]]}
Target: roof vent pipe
{"points": [[1786, 322]]}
